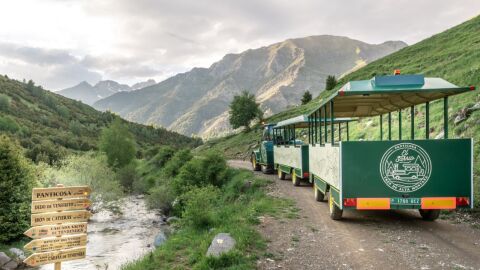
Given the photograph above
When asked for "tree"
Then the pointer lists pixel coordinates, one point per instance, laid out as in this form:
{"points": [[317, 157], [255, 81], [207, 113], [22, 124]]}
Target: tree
{"points": [[243, 110], [118, 144], [331, 82], [307, 97], [16, 183]]}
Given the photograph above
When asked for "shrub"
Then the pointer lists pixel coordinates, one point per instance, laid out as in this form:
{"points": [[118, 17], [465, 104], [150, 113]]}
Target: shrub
{"points": [[161, 197], [4, 102], [164, 154], [7, 124], [199, 206], [173, 166], [16, 182], [128, 175], [87, 169], [210, 169]]}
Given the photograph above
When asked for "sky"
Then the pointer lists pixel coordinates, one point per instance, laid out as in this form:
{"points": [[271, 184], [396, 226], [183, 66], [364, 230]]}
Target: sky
{"points": [[59, 43]]}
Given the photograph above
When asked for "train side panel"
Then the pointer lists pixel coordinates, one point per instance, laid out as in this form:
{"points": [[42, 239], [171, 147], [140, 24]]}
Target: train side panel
{"points": [[292, 157], [419, 174]]}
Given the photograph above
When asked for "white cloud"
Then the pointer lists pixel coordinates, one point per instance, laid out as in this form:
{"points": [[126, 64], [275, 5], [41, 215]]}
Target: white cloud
{"points": [[129, 41]]}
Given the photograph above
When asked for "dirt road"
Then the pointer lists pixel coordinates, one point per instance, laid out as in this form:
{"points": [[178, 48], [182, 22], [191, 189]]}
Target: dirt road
{"points": [[362, 240]]}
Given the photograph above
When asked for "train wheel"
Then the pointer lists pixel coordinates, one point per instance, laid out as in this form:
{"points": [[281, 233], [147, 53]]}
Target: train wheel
{"points": [[266, 169], [281, 175], [319, 196], [255, 165], [295, 179], [335, 212], [429, 215]]}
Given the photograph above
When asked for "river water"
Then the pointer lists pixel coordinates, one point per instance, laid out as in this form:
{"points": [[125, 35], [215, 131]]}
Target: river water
{"points": [[114, 240]]}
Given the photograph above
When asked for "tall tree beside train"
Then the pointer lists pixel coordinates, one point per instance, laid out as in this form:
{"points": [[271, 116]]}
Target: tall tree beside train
{"points": [[243, 110]]}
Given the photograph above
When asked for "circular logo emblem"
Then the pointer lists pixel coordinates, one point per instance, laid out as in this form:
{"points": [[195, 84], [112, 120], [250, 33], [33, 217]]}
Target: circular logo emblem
{"points": [[405, 167]]}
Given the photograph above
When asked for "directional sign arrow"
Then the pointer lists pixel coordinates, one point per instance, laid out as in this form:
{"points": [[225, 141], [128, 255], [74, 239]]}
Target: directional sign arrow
{"points": [[56, 243], [60, 205], [37, 259], [59, 217], [56, 230], [43, 194]]}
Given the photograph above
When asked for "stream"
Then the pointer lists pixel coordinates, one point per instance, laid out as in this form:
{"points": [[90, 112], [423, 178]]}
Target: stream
{"points": [[114, 240]]}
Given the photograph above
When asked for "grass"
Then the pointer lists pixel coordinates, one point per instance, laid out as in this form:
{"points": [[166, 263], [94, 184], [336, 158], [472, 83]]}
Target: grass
{"points": [[238, 212], [453, 55]]}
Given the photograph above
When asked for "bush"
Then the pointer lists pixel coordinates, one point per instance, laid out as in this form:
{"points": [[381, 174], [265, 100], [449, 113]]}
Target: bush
{"points": [[87, 169], [9, 125], [199, 209], [210, 169], [173, 166], [16, 183], [128, 175], [4, 102], [164, 154], [161, 197]]}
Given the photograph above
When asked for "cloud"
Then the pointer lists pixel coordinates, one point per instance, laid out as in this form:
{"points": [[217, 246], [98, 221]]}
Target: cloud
{"points": [[129, 41]]}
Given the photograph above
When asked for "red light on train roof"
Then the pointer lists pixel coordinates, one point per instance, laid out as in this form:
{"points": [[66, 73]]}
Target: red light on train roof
{"points": [[472, 87]]}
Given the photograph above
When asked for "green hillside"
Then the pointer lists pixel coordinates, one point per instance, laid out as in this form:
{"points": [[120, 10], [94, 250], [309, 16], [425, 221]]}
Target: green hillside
{"points": [[49, 126], [453, 55]]}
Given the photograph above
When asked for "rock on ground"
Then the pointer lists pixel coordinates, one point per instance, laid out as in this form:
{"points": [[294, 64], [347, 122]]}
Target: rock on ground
{"points": [[159, 239], [18, 253], [4, 259], [222, 243]]}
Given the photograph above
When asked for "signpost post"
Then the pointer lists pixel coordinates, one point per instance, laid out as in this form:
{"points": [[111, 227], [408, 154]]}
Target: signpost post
{"points": [[59, 225]]}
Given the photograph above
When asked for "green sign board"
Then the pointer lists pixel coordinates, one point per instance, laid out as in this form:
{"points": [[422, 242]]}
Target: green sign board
{"points": [[406, 170]]}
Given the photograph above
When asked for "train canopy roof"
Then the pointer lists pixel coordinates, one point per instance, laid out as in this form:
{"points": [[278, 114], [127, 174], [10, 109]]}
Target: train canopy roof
{"points": [[383, 94], [301, 121]]}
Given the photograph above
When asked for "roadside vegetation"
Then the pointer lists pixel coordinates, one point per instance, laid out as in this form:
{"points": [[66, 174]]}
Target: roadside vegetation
{"points": [[209, 198]]}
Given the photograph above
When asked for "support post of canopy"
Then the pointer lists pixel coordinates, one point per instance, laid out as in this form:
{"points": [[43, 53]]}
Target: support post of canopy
{"points": [[339, 131], [316, 126], [400, 124], [331, 122], [310, 141], [389, 126], [412, 122], [348, 133], [320, 124], [445, 117], [294, 136], [427, 120], [381, 127], [325, 123]]}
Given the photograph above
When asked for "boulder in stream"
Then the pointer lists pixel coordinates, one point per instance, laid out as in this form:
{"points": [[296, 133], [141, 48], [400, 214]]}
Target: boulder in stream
{"points": [[222, 243]]}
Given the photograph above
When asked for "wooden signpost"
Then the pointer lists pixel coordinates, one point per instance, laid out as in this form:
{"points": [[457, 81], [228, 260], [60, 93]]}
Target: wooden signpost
{"points": [[56, 230], [59, 225]]}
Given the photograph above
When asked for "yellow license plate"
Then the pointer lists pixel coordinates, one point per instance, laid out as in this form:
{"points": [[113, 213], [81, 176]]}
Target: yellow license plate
{"points": [[373, 203], [439, 203]]}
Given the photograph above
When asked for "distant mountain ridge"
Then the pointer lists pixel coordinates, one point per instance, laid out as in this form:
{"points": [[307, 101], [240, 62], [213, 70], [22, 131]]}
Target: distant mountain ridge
{"points": [[89, 94], [196, 102]]}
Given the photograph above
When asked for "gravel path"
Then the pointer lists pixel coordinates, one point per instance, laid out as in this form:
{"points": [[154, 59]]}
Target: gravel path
{"points": [[363, 239]]}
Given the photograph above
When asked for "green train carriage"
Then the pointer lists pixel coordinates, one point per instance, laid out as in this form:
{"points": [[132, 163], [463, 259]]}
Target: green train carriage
{"points": [[411, 173], [290, 149]]}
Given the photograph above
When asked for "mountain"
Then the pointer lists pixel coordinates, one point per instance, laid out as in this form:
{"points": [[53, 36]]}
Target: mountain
{"points": [[144, 84], [49, 126], [453, 55], [88, 94], [196, 102]]}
